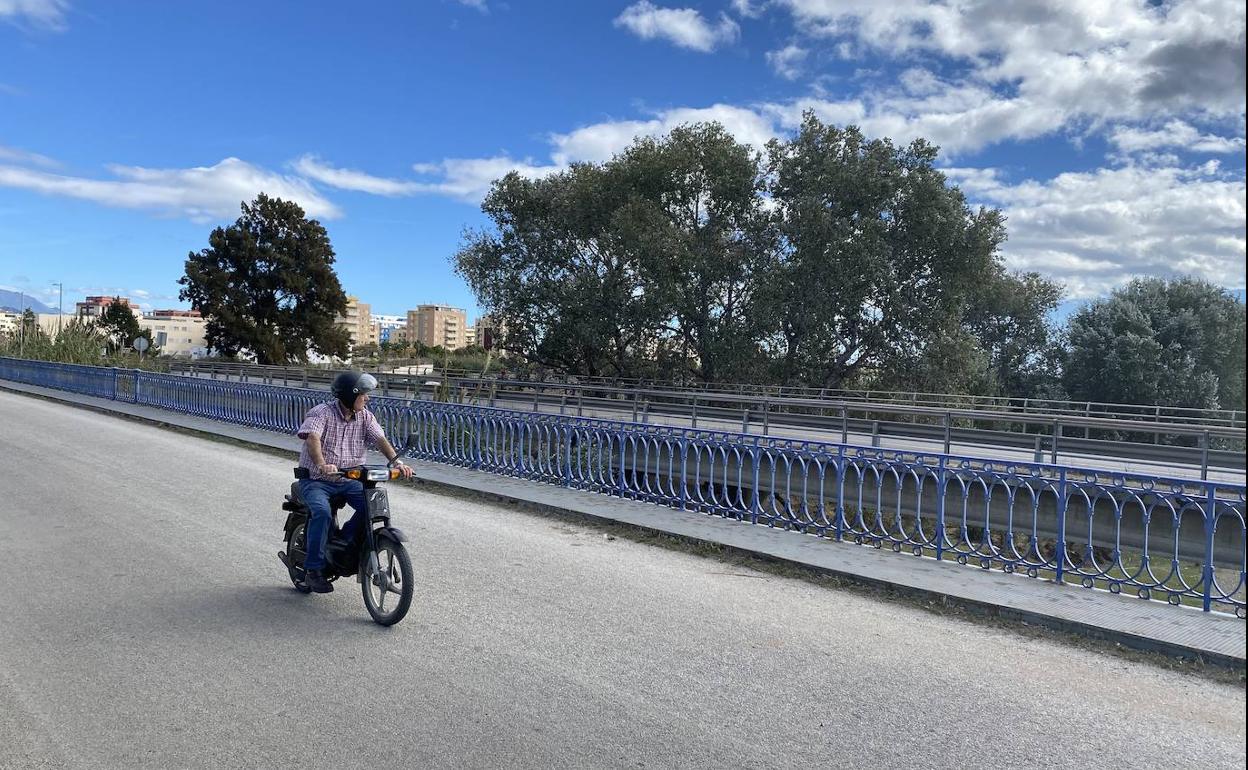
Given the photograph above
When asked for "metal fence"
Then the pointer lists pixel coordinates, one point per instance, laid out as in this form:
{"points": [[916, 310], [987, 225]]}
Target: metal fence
{"points": [[1174, 540], [1197, 442]]}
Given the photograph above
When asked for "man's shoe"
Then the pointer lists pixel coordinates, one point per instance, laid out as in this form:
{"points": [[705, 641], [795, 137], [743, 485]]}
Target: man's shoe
{"points": [[317, 582]]}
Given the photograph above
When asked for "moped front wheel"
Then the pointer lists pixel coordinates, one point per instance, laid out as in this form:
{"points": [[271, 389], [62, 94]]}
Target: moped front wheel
{"points": [[387, 581], [296, 553]]}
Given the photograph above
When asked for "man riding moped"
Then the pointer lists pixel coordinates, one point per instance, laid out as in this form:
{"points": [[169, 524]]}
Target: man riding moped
{"points": [[335, 434]]}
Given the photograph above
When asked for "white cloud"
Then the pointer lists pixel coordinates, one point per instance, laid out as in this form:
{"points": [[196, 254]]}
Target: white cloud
{"points": [[748, 8], [1175, 133], [14, 155], [1097, 230], [479, 5], [469, 179], [202, 194], [787, 62], [48, 14], [314, 168], [684, 27], [598, 142], [1040, 68]]}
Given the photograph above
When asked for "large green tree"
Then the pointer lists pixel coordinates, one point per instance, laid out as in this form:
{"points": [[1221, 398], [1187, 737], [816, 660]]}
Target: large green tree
{"points": [[880, 254], [120, 326], [704, 245], [1008, 319], [266, 284], [559, 272], [1170, 343]]}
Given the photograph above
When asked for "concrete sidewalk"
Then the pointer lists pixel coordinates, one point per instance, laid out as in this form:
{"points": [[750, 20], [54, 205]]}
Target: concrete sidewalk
{"points": [[1146, 625]]}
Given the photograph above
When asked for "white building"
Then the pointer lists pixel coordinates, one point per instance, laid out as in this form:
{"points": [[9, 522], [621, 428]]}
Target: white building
{"points": [[177, 332]]}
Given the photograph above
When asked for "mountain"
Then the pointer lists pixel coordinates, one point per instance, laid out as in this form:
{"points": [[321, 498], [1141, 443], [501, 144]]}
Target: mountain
{"points": [[13, 302]]}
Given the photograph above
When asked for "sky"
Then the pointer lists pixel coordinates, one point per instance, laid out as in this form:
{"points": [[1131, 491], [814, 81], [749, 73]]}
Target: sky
{"points": [[1109, 132]]}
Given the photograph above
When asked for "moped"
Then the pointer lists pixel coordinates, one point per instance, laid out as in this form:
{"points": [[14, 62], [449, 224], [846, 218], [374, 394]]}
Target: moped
{"points": [[375, 554]]}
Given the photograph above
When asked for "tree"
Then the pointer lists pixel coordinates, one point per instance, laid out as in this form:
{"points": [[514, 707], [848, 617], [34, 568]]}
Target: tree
{"points": [[704, 244], [559, 274], [1007, 317], [266, 284], [879, 258], [1168, 343], [120, 326]]}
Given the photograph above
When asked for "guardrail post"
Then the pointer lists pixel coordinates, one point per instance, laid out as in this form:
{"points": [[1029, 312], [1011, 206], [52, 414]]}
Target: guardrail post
{"points": [[1204, 457], [536, 395], [1211, 526], [114, 383], [1039, 450], [840, 492], [563, 403], [1057, 434], [645, 411], [623, 477], [305, 376], [684, 474], [766, 416], [636, 398], [580, 403], [1059, 549], [745, 420], [844, 425], [694, 421], [755, 504], [947, 429], [942, 484], [875, 433], [493, 392]]}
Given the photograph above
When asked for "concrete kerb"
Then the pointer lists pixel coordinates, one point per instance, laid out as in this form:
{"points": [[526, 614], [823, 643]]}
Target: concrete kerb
{"points": [[1175, 632]]}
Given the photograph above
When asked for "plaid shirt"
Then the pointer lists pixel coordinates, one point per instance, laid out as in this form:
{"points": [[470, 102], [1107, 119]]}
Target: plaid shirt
{"points": [[342, 440]]}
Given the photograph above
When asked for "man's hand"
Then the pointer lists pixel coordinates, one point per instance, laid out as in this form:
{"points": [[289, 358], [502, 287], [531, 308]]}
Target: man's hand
{"points": [[404, 470], [327, 469]]}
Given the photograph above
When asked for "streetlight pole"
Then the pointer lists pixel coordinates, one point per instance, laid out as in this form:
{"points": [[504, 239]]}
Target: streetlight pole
{"points": [[60, 299], [21, 345]]}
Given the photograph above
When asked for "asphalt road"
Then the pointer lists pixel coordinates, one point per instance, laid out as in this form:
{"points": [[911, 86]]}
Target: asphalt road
{"points": [[145, 621]]}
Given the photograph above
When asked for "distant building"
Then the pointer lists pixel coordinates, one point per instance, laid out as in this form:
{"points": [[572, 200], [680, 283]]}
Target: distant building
{"points": [[180, 333], [92, 308], [358, 322], [438, 325], [384, 327], [485, 329]]}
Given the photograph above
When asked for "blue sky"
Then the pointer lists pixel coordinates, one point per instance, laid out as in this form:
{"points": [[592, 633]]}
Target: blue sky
{"points": [[1111, 133]]}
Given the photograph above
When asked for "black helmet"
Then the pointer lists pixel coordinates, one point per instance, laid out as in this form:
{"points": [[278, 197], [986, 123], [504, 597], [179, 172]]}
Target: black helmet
{"points": [[348, 385]]}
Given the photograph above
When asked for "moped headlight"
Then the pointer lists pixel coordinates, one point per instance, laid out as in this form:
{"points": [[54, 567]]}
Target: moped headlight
{"points": [[379, 474]]}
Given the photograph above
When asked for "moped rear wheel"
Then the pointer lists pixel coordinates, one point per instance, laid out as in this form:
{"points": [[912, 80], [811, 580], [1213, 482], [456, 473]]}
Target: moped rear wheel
{"points": [[387, 581]]}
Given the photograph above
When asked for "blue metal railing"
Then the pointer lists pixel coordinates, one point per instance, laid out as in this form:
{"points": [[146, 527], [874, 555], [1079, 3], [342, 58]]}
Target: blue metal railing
{"points": [[1170, 539]]}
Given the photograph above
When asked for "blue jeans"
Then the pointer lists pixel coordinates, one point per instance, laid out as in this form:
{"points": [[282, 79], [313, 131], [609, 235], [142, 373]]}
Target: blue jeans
{"points": [[316, 496]]}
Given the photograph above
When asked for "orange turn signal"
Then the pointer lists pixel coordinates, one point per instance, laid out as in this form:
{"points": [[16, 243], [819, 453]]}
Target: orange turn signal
{"points": [[354, 473]]}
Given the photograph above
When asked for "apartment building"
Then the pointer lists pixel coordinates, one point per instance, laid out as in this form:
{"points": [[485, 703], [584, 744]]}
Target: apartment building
{"points": [[486, 332], [438, 325], [179, 333], [92, 308], [385, 326], [48, 323], [358, 322]]}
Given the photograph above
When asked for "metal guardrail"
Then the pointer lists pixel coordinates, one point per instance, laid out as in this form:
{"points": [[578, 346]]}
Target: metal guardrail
{"points": [[1046, 436], [1230, 418], [1175, 540]]}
